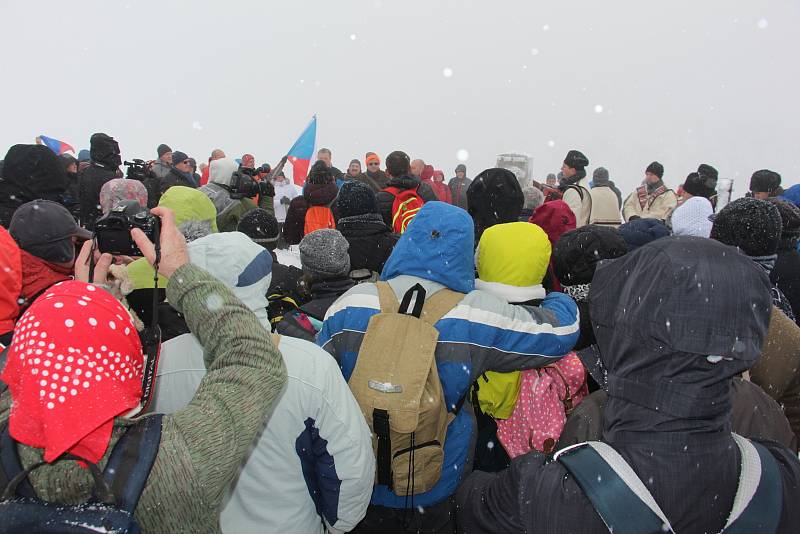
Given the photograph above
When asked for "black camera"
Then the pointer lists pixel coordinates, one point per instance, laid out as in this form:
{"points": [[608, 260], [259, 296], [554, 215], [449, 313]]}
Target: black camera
{"points": [[243, 185], [137, 170], [113, 232]]}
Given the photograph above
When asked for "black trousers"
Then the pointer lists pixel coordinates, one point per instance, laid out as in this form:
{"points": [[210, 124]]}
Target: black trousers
{"points": [[436, 519]]}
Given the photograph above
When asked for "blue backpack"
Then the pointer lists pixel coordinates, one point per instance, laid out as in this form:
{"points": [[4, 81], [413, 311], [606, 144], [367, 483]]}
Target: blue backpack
{"points": [[625, 505], [116, 490]]}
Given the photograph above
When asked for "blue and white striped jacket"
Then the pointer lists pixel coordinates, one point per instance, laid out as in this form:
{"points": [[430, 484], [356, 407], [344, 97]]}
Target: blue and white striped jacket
{"points": [[481, 333]]}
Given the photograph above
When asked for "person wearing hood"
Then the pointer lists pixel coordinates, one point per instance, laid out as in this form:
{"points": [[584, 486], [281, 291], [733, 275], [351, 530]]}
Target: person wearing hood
{"points": [[511, 261], [315, 430], [105, 162], [284, 291], [639, 232], [754, 226], [46, 234], [229, 210], [353, 170], [30, 172], [575, 259], [702, 183], [574, 186], [765, 184], [786, 273], [398, 169], [482, 333], [370, 240], [326, 276], [652, 200], [181, 173], [647, 344], [440, 188], [320, 190], [10, 286], [459, 185], [195, 217], [555, 218], [200, 448], [692, 217], [375, 178], [606, 200], [161, 166], [119, 190], [494, 197]]}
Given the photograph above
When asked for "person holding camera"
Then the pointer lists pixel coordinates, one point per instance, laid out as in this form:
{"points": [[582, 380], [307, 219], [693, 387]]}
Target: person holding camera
{"points": [[232, 189]]}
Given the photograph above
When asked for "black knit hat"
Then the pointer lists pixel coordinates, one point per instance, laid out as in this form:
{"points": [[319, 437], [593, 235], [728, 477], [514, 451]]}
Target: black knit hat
{"points": [[699, 185], [750, 224], [356, 198], [261, 226], [707, 171], [576, 159], [578, 252], [163, 149], [320, 173], [639, 232], [765, 181], [655, 168], [790, 223]]}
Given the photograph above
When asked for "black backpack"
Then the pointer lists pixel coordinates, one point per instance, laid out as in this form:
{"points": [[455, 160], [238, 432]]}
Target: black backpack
{"points": [[116, 494]]}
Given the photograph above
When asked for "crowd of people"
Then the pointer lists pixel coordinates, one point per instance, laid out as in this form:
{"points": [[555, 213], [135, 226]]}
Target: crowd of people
{"points": [[471, 355]]}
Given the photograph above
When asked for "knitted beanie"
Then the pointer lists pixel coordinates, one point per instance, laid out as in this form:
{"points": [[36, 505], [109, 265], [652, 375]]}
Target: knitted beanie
{"points": [[260, 226], [163, 149], [692, 217], [576, 159], [578, 252], [790, 223], [323, 254], [356, 198], [750, 224], [600, 176], [656, 168]]}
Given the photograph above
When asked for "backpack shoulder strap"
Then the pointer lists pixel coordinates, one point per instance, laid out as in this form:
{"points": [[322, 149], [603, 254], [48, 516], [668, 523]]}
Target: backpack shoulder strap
{"points": [[617, 494], [387, 298], [10, 465], [440, 304], [132, 459], [759, 498]]}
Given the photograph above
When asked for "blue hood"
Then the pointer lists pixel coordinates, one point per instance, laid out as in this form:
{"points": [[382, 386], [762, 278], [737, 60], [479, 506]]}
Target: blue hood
{"points": [[436, 246]]}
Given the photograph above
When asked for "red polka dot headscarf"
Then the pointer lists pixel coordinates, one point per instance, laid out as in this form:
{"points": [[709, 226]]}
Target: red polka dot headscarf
{"points": [[74, 364]]}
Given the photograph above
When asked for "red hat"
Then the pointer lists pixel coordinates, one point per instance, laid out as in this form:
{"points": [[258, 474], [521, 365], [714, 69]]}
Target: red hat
{"points": [[438, 174], [427, 172], [248, 160], [75, 363]]}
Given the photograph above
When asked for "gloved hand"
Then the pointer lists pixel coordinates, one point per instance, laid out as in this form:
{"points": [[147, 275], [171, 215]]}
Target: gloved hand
{"points": [[286, 201], [266, 189]]}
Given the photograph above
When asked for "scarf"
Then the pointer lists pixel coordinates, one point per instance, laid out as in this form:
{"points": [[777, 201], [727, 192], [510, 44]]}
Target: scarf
{"points": [[766, 262], [38, 275], [647, 195], [579, 175], [578, 292], [74, 364]]}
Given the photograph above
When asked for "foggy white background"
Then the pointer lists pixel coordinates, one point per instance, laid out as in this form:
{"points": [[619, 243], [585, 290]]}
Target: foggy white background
{"points": [[626, 82]]}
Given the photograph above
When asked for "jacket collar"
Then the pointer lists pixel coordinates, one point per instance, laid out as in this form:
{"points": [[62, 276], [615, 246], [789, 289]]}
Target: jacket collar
{"points": [[511, 294]]}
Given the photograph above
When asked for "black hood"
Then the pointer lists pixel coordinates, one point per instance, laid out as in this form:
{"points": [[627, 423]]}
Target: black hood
{"points": [[407, 181], [31, 172], [105, 150], [494, 197], [658, 314]]}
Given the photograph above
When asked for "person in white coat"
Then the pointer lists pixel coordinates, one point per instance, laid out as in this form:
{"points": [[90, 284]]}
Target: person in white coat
{"points": [[285, 191], [312, 467], [574, 186]]}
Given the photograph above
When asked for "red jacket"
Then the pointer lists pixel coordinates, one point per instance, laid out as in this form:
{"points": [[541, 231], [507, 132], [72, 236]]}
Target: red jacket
{"points": [[555, 218], [10, 281]]}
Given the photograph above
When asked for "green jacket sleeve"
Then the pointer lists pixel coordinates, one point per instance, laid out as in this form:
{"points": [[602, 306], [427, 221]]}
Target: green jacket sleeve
{"points": [[245, 376], [266, 203]]}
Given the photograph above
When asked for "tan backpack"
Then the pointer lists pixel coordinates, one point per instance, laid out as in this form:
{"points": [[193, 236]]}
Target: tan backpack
{"points": [[397, 386]]}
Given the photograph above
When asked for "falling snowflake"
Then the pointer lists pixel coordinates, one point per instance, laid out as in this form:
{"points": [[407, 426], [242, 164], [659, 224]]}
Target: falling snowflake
{"points": [[545, 27], [762, 24], [462, 155], [534, 51], [598, 108], [353, 37], [447, 72], [197, 126], [551, 143]]}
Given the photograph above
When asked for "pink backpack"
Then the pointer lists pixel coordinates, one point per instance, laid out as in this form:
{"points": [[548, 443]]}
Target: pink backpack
{"points": [[546, 398]]}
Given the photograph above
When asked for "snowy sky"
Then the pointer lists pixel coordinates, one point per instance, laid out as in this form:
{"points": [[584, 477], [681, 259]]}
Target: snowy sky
{"points": [[627, 82]]}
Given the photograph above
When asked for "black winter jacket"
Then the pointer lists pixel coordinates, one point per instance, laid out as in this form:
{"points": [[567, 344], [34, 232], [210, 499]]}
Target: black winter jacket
{"points": [[786, 275], [370, 240], [323, 294], [30, 172], [91, 181], [458, 188], [175, 177]]}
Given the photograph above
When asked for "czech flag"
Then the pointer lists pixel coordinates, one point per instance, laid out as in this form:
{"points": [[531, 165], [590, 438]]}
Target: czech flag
{"points": [[302, 151], [59, 147]]}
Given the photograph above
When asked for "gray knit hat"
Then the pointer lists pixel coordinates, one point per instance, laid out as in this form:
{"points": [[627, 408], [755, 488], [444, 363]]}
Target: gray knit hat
{"points": [[323, 254]]}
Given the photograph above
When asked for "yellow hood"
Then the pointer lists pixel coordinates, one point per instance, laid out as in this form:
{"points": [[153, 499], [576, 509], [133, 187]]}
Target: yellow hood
{"points": [[515, 254]]}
